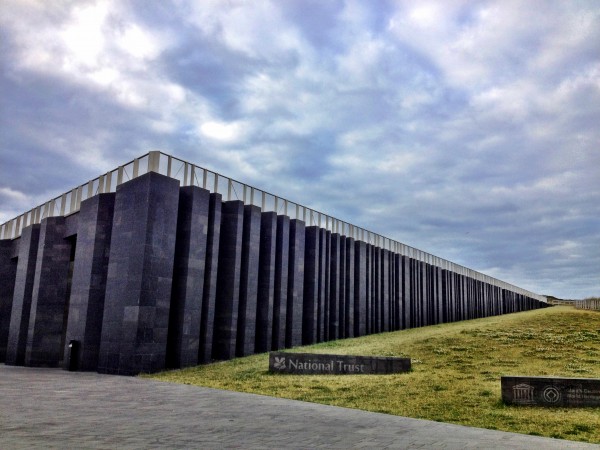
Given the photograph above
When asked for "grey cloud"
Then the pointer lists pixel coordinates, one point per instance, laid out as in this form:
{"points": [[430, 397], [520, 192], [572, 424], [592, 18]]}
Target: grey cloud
{"points": [[485, 155]]}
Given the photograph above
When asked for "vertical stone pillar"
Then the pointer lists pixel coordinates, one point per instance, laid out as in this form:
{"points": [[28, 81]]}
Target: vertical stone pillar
{"points": [[246, 333], [446, 295], [49, 297], [8, 273], [466, 297], [392, 291], [266, 282], [334, 287], [323, 296], [376, 327], [439, 298], [425, 294], [415, 298], [282, 259], [140, 276], [211, 266], [484, 299], [385, 290], [342, 289], [295, 295], [498, 295], [188, 277], [349, 291], [228, 280], [472, 298], [360, 288], [370, 287], [404, 274], [397, 282], [457, 296], [310, 318], [23, 290], [88, 288]]}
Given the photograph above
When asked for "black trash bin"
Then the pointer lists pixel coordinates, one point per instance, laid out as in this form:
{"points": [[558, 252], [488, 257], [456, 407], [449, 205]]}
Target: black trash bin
{"points": [[73, 356]]}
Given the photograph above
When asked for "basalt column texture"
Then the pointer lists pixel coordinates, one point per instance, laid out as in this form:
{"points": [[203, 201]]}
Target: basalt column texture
{"points": [[311, 286], [188, 277], [360, 288], [159, 275], [282, 256], [45, 338], [295, 294], [349, 289], [86, 305], [334, 287], [209, 293], [8, 273], [140, 274], [266, 281], [246, 332], [23, 290], [228, 280]]}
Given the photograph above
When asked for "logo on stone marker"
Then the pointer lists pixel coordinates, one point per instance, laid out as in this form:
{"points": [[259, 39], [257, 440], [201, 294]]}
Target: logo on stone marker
{"points": [[523, 393], [551, 394], [279, 363]]}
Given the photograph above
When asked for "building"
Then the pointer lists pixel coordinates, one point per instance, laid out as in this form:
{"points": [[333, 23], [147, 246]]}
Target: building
{"points": [[161, 263]]}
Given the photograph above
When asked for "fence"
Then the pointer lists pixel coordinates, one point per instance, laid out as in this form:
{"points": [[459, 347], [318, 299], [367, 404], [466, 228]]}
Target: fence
{"points": [[588, 303]]}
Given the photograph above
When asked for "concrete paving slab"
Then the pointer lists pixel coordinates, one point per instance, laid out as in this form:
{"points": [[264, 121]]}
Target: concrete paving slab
{"points": [[55, 409]]}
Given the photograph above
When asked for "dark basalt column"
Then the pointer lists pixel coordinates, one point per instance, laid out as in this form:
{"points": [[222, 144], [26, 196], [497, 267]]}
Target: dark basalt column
{"points": [[437, 286], [342, 289], [8, 273], [49, 299], [293, 336], [376, 290], [228, 280], [334, 287], [311, 322], [23, 290], [282, 257], [360, 288], [415, 296], [446, 293], [266, 282], [426, 294], [323, 292], [466, 292], [140, 276], [385, 290], [209, 293], [349, 289], [88, 288], [392, 291], [188, 277], [397, 259], [405, 292], [369, 289], [246, 334]]}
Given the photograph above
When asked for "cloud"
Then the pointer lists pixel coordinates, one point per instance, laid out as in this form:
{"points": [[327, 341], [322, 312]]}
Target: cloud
{"points": [[467, 129]]}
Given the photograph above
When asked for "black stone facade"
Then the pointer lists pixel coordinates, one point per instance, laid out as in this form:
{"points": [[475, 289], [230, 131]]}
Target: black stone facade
{"points": [[159, 276]]}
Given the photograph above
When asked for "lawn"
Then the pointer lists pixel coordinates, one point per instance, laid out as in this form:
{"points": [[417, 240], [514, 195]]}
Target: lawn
{"points": [[455, 375]]}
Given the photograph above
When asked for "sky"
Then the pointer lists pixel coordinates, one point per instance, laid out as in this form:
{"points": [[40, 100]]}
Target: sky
{"points": [[467, 129]]}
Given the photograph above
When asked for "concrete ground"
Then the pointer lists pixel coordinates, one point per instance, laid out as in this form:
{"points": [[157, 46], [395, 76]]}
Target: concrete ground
{"points": [[52, 408]]}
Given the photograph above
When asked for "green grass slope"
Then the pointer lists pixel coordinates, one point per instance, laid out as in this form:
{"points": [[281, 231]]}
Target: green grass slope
{"points": [[456, 372]]}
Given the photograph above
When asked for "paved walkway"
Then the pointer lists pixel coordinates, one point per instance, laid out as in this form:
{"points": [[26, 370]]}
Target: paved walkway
{"points": [[52, 408]]}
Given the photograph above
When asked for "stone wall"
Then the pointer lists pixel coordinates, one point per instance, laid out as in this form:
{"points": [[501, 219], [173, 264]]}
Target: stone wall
{"points": [[160, 276]]}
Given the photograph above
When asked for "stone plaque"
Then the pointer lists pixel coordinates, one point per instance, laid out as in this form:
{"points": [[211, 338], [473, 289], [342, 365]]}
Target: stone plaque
{"points": [[551, 391], [318, 364]]}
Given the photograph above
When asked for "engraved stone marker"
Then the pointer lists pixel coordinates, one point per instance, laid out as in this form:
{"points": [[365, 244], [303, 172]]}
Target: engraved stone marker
{"points": [[551, 391], [318, 364]]}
